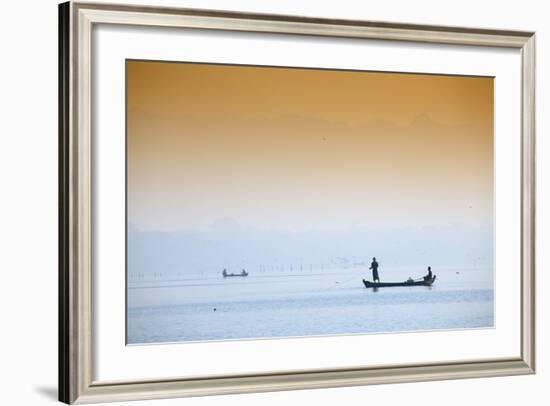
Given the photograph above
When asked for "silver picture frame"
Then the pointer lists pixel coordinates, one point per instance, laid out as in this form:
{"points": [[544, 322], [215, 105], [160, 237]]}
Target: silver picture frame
{"points": [[76, 352]]}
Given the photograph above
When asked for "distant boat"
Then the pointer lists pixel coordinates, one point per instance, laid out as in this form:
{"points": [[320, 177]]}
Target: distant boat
{"points": [[229, 275], [424, 282]]}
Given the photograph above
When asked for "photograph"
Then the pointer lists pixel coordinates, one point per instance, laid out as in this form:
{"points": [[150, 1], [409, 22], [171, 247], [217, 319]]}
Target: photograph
{"points": [[266, 200], [275, 202]]}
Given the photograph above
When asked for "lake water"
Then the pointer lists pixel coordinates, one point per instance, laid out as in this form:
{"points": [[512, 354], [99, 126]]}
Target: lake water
{"points": [[309, 303]]}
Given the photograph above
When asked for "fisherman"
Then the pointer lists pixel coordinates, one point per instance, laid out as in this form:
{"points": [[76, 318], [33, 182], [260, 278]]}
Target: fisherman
{"points": [[430, 274], [374, 267], [224, 273]]}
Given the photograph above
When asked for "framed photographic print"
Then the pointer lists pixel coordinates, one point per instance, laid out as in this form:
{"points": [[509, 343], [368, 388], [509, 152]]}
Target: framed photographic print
{"points": [[263, 202]]}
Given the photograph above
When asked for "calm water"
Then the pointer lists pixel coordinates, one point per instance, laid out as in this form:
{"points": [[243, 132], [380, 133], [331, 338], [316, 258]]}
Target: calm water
{"points": [[329, 302]]}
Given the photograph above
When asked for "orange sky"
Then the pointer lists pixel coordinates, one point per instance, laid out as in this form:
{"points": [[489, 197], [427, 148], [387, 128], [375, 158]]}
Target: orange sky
{"points": [[295, 149]]}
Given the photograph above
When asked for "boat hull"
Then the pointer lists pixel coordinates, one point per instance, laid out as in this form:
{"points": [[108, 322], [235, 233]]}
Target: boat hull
{"points": [[369, 284]]}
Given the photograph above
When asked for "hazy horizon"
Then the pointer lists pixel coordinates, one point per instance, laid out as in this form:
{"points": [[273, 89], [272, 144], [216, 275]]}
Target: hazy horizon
{"points": [[228, 245]]}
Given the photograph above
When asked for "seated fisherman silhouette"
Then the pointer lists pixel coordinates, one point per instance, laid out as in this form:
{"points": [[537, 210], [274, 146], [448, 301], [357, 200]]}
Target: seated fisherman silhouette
{"points": [[430, 274]]}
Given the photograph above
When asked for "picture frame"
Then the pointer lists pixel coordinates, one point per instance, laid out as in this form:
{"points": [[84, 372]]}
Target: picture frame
{"points": [[76, 280]]}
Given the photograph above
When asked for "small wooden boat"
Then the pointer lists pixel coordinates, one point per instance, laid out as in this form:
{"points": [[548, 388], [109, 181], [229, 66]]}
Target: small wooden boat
{"points": [[229, 275], [424, 282]]}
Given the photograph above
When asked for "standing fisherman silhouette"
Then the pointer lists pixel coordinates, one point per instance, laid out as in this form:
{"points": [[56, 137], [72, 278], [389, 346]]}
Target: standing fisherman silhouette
{"points": [[374, 267]]}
